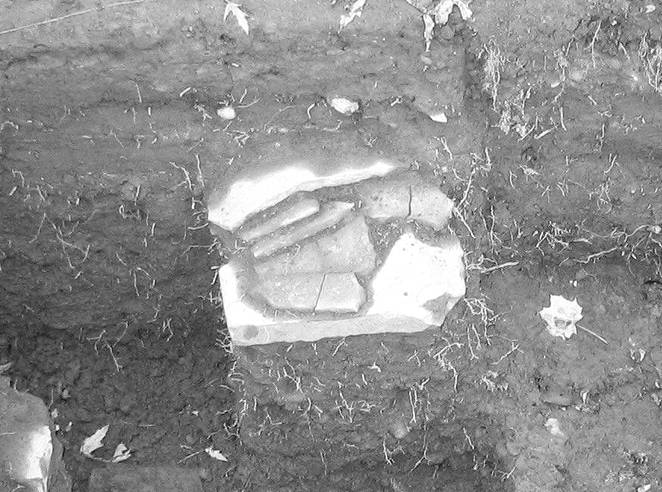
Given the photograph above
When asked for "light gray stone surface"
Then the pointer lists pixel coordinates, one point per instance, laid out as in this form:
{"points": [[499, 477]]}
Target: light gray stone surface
{"points": [[340, 293], [297, 291], [330, 214]]}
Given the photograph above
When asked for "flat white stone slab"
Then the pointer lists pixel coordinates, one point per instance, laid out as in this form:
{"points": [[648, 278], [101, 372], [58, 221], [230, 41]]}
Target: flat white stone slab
{"points": [[298, 211], [330, 214], [419, 281]]}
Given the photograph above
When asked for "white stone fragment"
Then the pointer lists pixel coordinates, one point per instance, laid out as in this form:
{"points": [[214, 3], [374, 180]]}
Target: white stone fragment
{"points": [[341, 293], [226, 113], [249, 196], [297, 292], [330, 214], [344, 105], [439, 117], [419, 281], [561, 316], [294, 213]]}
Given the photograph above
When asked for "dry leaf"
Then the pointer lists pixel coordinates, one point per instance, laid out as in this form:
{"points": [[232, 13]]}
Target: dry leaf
{"points": [[240, 15], [94, 442], [354, 11], [428, 22], [215, 453], [122, 453], [561, 316]]}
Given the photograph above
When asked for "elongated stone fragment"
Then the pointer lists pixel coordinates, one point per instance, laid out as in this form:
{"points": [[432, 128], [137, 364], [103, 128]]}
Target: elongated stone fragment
{"points": [[294, 213], [330, 214]]}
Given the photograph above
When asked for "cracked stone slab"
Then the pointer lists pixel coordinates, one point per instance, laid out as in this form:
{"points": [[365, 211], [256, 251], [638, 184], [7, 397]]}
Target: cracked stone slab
{"points": [[330, 214], [297, 211], [340, 293], [405, 196], [298, 291]]}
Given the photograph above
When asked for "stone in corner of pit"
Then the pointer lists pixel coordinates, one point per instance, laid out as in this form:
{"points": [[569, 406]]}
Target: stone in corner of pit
{"points": [[132, 478], [341, 293], [330, 215], [347, 249], [29, 455], [295, 212], [405, 195], [419, 280], [297, 292]]}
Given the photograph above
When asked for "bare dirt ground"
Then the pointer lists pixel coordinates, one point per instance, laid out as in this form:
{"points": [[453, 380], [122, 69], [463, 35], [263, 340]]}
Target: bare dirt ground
{"points": [[109, 308]]}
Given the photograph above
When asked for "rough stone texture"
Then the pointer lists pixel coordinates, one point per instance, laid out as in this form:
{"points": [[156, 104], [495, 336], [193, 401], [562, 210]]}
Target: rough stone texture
{"points": [[30, 456], [405, 196], [130, 478], [297, 291], [330, 215], [305, 280], [341, 293]]}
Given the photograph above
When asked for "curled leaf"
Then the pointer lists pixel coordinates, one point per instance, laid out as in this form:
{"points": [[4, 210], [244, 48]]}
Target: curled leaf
{"points": [[94, 442]]}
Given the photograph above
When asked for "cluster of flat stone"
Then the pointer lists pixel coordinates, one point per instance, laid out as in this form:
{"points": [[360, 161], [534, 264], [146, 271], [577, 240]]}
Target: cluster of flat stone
{"points": [[326, 245]]}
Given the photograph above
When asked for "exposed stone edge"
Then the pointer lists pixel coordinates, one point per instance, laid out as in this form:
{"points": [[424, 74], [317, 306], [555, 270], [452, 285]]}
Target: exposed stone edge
{"points": [[311, 331]]}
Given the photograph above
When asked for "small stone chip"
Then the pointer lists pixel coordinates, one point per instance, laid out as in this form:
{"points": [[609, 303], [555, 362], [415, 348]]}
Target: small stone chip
{"points": [[298, 292], [341, 293]]}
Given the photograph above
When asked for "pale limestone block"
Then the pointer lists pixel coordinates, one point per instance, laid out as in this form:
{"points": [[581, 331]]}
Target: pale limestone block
{"points": [[246, 197], [298, 292], [310, 330], [430, 205], [348, 249], [330, 214], [341, 293], [238, 312], [298, 211], [418, 280], [385, 199]]}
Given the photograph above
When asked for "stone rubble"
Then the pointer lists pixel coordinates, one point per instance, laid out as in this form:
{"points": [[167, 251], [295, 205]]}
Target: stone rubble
{"points": [[365, 250]]}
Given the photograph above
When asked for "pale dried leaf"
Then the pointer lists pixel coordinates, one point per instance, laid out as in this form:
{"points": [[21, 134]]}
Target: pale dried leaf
{"points": [[93, 442], [428, 22], [122, 453], [215, 453], [354, 11], [240, 15], [561, 316]]}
